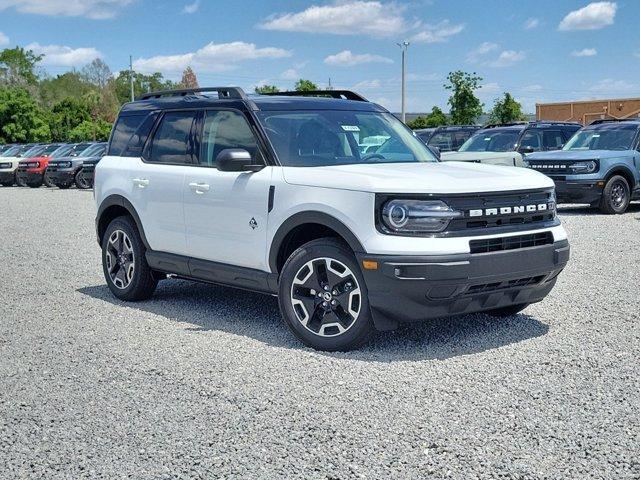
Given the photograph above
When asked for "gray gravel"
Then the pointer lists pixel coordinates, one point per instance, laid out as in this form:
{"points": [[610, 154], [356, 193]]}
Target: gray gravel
{"points": [[206, 382]]}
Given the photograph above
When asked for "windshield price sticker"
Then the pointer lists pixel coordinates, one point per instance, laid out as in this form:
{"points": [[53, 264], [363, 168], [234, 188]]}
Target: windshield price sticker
{"points": [[350, 128]]}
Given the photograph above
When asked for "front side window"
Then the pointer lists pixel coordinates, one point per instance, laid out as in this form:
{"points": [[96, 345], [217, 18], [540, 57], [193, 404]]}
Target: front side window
{"points": [[225, 129], [552, 140], [533, 139], [314, 138], [442, 140], [494, 140], [603, 137], [172, 140]]}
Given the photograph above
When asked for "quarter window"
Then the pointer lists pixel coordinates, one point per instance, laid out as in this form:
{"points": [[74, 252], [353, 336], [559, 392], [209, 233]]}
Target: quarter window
{"points": [[125, 127], [225, 129], [172, 140]]}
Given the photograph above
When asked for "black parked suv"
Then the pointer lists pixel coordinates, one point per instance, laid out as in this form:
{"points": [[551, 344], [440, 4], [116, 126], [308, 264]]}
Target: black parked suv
{"points": [[446, 139], [84, 179], [65, 171]]}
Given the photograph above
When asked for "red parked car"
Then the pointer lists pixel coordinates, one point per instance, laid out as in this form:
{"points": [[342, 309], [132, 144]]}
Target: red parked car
{"points": [[31, 170]]}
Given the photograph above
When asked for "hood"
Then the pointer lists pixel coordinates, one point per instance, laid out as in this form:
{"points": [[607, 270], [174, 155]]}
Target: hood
{"points": [[450, 177], [91, 160], [482, 156], [564, 155], [73, 160]]}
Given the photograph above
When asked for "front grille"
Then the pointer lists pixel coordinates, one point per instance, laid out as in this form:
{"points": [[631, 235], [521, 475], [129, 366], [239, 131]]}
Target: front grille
{"points": [[492, 287], [487, 245]]}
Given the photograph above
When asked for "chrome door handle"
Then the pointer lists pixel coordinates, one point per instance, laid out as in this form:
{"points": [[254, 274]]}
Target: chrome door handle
{"points": [[141, 182], [199, 188]]}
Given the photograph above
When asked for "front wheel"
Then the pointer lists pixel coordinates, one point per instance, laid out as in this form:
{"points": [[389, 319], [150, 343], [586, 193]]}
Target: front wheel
{"points": [[81, 183], [323, 297], [124, 264], [21, 182], [616, 196], [47, 181]]}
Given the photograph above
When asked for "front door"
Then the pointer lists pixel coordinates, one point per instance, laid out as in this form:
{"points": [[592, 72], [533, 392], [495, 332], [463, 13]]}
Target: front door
{"points": [[226, 212]]}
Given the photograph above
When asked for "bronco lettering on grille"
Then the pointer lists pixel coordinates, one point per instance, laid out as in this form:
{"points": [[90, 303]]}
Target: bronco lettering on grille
{"points": [[488, 212]]}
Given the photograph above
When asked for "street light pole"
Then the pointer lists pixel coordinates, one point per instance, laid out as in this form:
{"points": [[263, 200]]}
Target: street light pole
{"points": [[131, 76], [403, 46]]}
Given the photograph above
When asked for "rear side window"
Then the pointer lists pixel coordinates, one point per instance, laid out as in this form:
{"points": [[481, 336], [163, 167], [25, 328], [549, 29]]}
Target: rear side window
{"points": [[122, 132], [172, 141], [225, 129]]}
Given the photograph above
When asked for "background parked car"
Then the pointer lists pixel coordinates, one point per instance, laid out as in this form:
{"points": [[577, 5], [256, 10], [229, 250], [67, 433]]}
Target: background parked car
{"points": [[62, 171], [507, 144], [598, 165], [32, 168], [85, 178], [447, 139], [6, 146], [9, 160]]}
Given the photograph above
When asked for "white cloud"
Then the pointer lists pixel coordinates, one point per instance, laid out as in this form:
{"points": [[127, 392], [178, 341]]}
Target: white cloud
{"points": [[94, 9], [4, 40], [290, 74], [585, 52], [594, 16], [63, 56], [531, 23], [437, 33], [213, 57], [350, 18], [474, 56], [191, 7], [367, 85], [612, 87], [348, 59], [508, 58]]}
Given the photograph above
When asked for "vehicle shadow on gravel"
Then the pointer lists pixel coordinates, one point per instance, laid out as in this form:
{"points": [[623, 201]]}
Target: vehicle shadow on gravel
{"points": [[211, 307]]}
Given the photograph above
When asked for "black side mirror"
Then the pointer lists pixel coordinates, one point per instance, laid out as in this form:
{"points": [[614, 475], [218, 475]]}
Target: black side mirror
{"points": [[236, 160], [526, 149], [435, 151]]}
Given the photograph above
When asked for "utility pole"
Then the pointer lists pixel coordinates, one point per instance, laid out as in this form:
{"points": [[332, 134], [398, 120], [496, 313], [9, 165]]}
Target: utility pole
{"points": [[131, 76], [403, 46]]}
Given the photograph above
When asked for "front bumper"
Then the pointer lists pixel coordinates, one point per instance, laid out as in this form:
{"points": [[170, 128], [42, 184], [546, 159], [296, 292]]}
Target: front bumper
{"points": [[412, 288], [30, 177], [578, 191], [7, 176], [62, 177]]}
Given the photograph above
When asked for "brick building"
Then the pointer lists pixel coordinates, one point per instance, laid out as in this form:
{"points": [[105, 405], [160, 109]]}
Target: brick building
{"points": [[587, 111]]}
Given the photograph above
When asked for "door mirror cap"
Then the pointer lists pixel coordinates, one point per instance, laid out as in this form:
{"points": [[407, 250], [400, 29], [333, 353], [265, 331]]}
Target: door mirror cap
{"points": [[236, 160], [526, 149], [435, 151]]}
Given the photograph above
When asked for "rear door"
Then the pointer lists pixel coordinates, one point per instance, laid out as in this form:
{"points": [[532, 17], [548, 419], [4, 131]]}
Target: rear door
{"points": [[157, 181], [226, 212]]}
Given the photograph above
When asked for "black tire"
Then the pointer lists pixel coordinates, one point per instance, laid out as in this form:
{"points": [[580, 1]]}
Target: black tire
{"points": [[507, 311], [80, 182], [142, 283], [616, 196], [7, 184], [328, 337], [47, 181], [20, 182]]}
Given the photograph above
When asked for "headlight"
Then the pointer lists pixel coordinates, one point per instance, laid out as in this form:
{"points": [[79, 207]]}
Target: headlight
{"points": [[417, 216], [64, 164], [33, 164], [5, 165], [583, 167]]}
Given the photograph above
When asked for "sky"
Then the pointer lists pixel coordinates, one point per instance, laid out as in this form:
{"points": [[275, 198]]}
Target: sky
{"points": [[542, 51]]}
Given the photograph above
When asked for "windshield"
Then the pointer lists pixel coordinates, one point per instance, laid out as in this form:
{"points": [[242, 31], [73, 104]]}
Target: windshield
{"points": [[61, 151], [492, 141], [94, 150], [79, 148], [603, 137], [34, 151], [11, 151], [313, 138]]}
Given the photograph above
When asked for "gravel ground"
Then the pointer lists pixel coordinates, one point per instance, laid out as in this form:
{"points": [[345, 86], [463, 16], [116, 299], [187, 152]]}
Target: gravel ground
{"points": [[207, 382]]}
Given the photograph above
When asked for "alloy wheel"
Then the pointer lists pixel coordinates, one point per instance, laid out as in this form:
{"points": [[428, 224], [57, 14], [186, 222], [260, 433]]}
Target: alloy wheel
{"points": [[326, 297], [120, 259], [618, 194]]}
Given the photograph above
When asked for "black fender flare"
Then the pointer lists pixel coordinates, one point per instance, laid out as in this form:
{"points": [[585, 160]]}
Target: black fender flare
{"points": [[619, 168], [310, 217], [120, 201]]}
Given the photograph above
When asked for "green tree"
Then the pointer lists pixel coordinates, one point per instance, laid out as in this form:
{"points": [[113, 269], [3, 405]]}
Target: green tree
{"points": [[267, 89], [465, 106], [67, 115], [18, 67], [434, 119], [68, 85], [98, 130], [21, 118], [141, 84], [303, 85], [506, 110]]}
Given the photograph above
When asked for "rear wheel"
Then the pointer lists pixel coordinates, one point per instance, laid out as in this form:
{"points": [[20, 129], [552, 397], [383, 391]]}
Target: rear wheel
{"points": [[615, 196], [323, 297], [507, 311], [80, 182], [124, 264]]}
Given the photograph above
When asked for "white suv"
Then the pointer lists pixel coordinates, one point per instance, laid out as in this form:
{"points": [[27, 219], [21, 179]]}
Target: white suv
{"points": [[281, 195]]}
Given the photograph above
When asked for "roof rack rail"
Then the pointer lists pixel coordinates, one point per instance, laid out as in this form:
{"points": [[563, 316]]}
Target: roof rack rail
{"points": [[556, 122], [607, 120], [507, 124], [339, 94], [223, 92]]}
